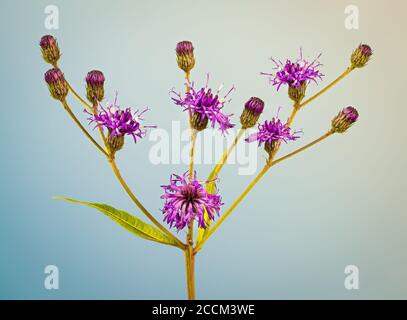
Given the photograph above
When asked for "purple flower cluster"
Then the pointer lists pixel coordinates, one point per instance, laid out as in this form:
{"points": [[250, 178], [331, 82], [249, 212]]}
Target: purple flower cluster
{"points": [[295, 74], [186, 200], [273, 131], [120, 122], [207, 104]]}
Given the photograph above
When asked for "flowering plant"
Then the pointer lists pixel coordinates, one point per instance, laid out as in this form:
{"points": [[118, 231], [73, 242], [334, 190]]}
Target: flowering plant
{"points": [[186, 198]]}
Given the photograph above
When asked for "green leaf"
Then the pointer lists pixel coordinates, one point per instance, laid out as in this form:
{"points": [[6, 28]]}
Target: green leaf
{"points": [[129, 222]]}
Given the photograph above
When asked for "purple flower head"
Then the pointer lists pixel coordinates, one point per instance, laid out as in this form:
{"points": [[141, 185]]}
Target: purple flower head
{"points": [[345, 119], [295, 74], [361, 56], [56, 84], [271, 132], [50, 50], [255, 105], [185, 55], [184, 48], [47, 41], [53, 76], [186, 200], [95, 78], [206, 104], [251, 112], [365, 49], [120, 122], [95, 91]]}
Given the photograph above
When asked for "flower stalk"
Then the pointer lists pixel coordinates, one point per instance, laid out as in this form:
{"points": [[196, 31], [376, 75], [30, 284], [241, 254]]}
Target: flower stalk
{"points": [[260, 175]]}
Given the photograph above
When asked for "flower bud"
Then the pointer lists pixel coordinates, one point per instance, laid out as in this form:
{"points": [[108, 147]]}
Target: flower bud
{"points": [[185, 55], [344, 120], [95, 91], [56, 84], [114, 143], [297, 93], [361, 55], [50, 50], [251, 112], [197, 123]]}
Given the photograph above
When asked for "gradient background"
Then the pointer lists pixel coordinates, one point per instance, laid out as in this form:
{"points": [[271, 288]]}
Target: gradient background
{"points": [[341, 203]]}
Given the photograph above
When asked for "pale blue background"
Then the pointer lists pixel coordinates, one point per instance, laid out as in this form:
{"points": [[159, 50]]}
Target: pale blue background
{"points": [[341, 203]]}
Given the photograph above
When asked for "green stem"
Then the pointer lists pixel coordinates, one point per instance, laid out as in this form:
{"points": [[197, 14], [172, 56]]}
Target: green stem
{"points": [[253, 183], [323, 137], [194, 134], [232, 207], [75, 119], [329, 86], [190, 272], [140, 205], [225, 156]]}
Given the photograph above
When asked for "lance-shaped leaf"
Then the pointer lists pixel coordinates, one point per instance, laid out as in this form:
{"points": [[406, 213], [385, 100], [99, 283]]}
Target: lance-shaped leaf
{"points": [[129, 222]]}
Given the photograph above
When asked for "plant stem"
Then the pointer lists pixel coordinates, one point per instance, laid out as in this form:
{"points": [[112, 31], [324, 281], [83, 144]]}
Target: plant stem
{"points": [[75, 119], [323, 137], [214, 173], [225, 156], [254, 182], [120, 178], [190, 272], [139, 204], [102, 135], [78, 97], [194, 134], [343, 75], [232, 207]]}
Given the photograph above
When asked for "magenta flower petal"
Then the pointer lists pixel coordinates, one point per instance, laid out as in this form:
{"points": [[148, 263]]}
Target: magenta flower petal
{"points": [[186, 200], [294, 74], [120, 122], [273, 131], [207, 104]]}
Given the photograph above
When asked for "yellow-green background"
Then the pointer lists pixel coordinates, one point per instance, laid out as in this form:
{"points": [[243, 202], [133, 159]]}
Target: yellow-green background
{"points": [[340, 203]]}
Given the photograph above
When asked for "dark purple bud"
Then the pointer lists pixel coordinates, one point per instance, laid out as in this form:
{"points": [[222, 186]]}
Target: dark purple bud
{"points": [[95, 91], [361, 56], [184, 47], [185, 55], [95, 78], [56, 84], [251, 113], [50, 50], [345, 119]]}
